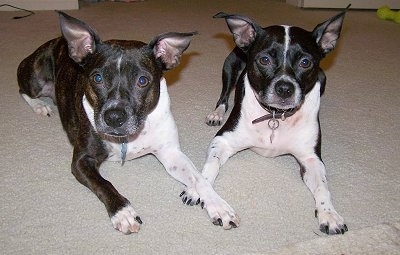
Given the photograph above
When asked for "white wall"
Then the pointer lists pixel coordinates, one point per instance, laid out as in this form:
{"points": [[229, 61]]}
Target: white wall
{"points": [[40, 4], [355, 4]]}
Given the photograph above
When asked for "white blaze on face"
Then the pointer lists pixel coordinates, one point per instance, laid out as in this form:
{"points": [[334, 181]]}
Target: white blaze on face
{"points": [[273, 99], [287, 42], [119, 64]]}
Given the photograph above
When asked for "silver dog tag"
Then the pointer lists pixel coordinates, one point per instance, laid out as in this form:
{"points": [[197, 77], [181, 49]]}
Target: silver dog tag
{"points": [[124, 149], [273, 124]]}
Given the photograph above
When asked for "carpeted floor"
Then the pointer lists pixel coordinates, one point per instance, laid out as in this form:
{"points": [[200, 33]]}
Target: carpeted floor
{"points": [[44, 210]]}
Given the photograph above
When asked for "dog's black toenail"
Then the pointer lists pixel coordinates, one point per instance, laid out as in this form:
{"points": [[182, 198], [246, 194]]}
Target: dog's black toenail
{"points": [[202, 205], [233, 224], [184, 200], [189, 201], [316, 213], [183, 192], [198, 201], [345, 228], [338, 231], [327, 230], [138, 219], [218, 222]]}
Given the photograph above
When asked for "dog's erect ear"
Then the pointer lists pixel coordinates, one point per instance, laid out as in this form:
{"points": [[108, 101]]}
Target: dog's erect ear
{"points": [[169, 47], [244, 30], [327, 33], [81, 38]]}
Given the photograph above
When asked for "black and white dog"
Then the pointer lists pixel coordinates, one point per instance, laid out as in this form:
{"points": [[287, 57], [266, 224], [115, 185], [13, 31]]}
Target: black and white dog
{"points": [[114, 105], [278, 87]]}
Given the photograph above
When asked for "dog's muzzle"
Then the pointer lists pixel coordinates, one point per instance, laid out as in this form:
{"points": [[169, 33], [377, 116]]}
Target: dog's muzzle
{"points": [[282, 94], [115, 118], [284, 89]]}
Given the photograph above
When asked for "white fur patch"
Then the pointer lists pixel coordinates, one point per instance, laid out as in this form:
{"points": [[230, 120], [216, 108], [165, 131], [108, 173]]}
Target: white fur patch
{"points": [[38, 106], [287, 42], [125, 220], [89, 111]]}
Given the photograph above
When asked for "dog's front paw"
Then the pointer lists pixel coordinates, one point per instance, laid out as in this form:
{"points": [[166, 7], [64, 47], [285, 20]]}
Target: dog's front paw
{"points": [[190, 196], [216, 117], [330, 222], [126, 220], [221, 213]]}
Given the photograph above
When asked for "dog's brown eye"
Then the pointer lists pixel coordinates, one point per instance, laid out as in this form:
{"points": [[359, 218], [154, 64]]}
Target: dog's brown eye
{"points": [[142, 81], [305, 63], [265, 61]]}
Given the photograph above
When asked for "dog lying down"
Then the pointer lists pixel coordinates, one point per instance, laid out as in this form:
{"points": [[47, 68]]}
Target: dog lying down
{"points": [[278, 84], [114, 105]]}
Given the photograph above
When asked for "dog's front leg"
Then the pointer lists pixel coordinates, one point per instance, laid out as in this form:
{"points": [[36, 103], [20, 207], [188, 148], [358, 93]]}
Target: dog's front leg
{"points": [[313, 174], [85, 168], [219, 151], [198, 190]]}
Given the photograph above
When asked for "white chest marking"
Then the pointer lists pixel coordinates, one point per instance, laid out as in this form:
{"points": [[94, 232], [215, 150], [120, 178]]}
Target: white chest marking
{"points": [[292, 133]]}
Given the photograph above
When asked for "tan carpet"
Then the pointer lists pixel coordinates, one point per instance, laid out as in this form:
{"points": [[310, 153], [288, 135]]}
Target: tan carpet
{"points": [[44, 210]]}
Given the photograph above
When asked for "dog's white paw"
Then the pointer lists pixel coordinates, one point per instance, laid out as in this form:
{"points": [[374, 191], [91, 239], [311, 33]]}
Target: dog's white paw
{"points": [[38, 106], [126, 220], [330, 222], [217, 116], [190, 196], [221, 213], [43, 110]]}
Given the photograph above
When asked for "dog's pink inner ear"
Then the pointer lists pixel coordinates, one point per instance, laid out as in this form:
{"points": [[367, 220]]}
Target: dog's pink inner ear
{"points": [[170, 49], [80, 48], [80, 37], [327, 33], [330, 36], [243, 32], [169, 55]]}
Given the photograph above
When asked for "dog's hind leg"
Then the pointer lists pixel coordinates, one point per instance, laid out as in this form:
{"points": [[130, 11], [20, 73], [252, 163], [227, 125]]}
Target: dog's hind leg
{"points": [[38, 106], [233, 67], [313, 174], [36, 79]]}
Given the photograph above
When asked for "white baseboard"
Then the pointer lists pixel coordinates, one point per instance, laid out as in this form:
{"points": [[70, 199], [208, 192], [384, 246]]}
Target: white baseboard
{"points": [[35, 5], [355, 4]]}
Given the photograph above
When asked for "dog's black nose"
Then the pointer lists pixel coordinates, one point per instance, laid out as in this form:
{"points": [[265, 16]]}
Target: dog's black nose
{"points": [[115, 117], [284, 89]]}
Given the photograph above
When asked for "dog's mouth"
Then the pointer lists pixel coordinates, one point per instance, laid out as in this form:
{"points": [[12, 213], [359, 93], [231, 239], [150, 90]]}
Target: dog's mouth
{"points": [[121, 135], [279, 105], [115, 137], [277, 109], [274, 113], [123, 132], [115, 134]]}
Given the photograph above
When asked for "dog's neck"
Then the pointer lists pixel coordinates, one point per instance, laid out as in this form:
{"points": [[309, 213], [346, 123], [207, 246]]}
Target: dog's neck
{"points": [[275, 114], [273, 118]]}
